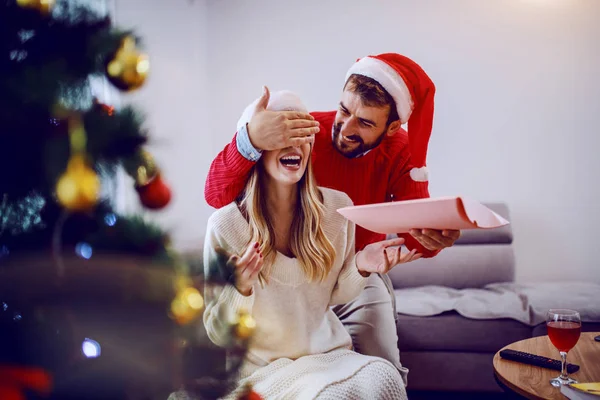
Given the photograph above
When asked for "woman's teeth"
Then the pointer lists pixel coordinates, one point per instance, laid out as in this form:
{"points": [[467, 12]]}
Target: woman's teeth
{"points": [[291, 160]]}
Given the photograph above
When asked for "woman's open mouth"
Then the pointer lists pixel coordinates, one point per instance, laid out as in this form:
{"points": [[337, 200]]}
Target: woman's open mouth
{"points": [[291, 161]]}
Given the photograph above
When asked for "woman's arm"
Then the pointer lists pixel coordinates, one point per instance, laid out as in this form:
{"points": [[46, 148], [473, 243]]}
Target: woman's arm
{"points": [[223, 303]]}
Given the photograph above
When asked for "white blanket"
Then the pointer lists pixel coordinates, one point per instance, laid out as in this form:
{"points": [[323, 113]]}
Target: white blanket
{"points": [[527, 303]]}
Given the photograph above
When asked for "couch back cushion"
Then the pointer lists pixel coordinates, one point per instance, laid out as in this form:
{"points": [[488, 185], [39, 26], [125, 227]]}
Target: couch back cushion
{"points": [[502, 235], [478, 258]]}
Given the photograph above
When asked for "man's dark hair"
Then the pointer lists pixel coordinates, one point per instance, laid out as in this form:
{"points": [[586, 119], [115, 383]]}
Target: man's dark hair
{"points": [[372, 94]]}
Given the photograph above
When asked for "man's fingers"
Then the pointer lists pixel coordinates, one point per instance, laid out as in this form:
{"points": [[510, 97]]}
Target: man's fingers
{"points": [[424, 240], [297, 115], [303, 132], [295, 124], [300, 141], [263, 100], [452, 234], [438, 237], [429, 243]]}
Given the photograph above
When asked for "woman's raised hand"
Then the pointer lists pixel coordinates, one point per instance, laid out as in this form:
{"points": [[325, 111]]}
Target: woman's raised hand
{"points": [[382, 256], [246, 268]]}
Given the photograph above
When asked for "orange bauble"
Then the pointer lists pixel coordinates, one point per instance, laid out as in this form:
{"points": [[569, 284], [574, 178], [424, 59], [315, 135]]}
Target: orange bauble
{"points": [[249, 394], [154, 194]]}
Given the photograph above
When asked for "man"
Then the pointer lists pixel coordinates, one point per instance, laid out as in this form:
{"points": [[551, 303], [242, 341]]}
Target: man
{"points": [[362, 150]]}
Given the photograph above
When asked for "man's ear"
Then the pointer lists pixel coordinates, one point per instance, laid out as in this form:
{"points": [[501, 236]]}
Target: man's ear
{"points": [[393, 128]]}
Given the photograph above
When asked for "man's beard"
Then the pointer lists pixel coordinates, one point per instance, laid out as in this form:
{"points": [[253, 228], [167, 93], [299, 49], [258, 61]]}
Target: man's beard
{"points": [[352, 151]]}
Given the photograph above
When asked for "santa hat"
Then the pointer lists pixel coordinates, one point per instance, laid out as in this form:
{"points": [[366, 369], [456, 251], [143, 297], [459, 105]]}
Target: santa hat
{"points": [[283, 100], [413, 92]]}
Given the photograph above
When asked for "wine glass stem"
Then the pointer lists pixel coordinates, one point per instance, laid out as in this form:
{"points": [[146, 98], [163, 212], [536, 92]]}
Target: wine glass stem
{"points": [[563, 373]]}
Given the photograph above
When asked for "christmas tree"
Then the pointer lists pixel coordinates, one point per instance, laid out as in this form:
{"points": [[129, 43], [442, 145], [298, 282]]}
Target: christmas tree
{"points": [[59, 146], [93, 304]]}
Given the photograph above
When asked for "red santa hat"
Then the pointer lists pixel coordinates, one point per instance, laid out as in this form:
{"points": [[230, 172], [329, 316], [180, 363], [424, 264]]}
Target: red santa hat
{"points": [[413, 92]]}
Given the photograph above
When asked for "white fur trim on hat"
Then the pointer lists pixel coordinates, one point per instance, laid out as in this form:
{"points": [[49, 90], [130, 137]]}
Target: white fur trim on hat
{"points": [[419, 174], [391, 81]]}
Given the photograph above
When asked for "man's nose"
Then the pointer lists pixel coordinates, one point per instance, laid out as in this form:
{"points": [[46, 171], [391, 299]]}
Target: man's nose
{"points": [[348, 126]]}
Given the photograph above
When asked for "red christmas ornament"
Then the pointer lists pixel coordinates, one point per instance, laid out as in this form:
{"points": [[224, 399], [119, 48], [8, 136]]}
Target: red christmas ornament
{"points": [[154, 194], [108, 110], [249, 394], [15, 381]]}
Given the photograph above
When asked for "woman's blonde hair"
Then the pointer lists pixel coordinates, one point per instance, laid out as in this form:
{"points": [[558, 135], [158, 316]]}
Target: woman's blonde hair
{"points": [[309, 244]]}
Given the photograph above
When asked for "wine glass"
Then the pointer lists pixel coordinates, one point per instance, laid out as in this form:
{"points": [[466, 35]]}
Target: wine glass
{"points": [[564, 329]]}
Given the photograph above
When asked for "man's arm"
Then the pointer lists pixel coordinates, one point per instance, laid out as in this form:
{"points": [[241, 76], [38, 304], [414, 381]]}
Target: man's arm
{"points": [[407, 189], [230, 170], [403, 187]]}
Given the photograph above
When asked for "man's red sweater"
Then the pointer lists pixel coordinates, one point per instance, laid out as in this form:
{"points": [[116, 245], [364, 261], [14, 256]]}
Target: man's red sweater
{"points": [[381, 175]]}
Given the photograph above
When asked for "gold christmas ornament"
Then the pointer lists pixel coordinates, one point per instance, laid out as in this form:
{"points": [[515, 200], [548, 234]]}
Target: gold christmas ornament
{"points": [[147, 169], [187, 305], [78, 189], [244, 328], [43, 6], [128, 68]]}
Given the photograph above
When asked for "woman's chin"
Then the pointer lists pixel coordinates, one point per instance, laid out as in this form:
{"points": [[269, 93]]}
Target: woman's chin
{"points": [[290, 176]]}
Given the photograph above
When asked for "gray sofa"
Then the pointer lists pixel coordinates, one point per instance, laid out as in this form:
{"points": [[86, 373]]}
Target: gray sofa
{"points": [[448, 352]]}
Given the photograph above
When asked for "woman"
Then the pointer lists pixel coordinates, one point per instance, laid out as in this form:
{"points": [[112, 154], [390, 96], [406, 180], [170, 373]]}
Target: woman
{"points": [[295, 259]]}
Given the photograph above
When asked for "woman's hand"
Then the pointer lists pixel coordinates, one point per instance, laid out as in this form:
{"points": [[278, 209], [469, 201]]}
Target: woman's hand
{"points": [[380, 257], [246, 268]]}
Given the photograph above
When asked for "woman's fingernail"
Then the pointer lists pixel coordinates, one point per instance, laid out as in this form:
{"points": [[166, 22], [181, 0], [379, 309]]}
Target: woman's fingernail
{"points": [[256, 245]]}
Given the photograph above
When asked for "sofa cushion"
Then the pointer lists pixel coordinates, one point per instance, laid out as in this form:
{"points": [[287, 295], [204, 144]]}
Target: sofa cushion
{"points": [[452, 332], [458, 267]]}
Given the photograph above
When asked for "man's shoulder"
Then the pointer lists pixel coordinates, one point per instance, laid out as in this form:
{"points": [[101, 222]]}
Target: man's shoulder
{"points": [[398, 141], [396, 148], [325, 118]]}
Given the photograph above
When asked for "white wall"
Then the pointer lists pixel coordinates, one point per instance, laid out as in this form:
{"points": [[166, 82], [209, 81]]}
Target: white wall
{"points": [[174, 101], [517, 80]]}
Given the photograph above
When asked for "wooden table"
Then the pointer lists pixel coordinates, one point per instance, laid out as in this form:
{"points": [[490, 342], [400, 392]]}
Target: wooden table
{"points": [[534, 382]]}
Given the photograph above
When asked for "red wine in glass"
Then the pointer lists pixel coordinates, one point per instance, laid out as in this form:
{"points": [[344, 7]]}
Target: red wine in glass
{"points": [[564, 329], [564, 335]]}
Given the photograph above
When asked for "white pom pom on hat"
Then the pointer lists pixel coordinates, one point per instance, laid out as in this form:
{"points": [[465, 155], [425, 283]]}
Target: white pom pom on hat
{"points": [[413, 91]]}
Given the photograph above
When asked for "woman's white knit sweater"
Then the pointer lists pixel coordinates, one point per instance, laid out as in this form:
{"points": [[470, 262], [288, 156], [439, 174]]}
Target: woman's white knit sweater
{"points": [[293, 317], [295, 326]]}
